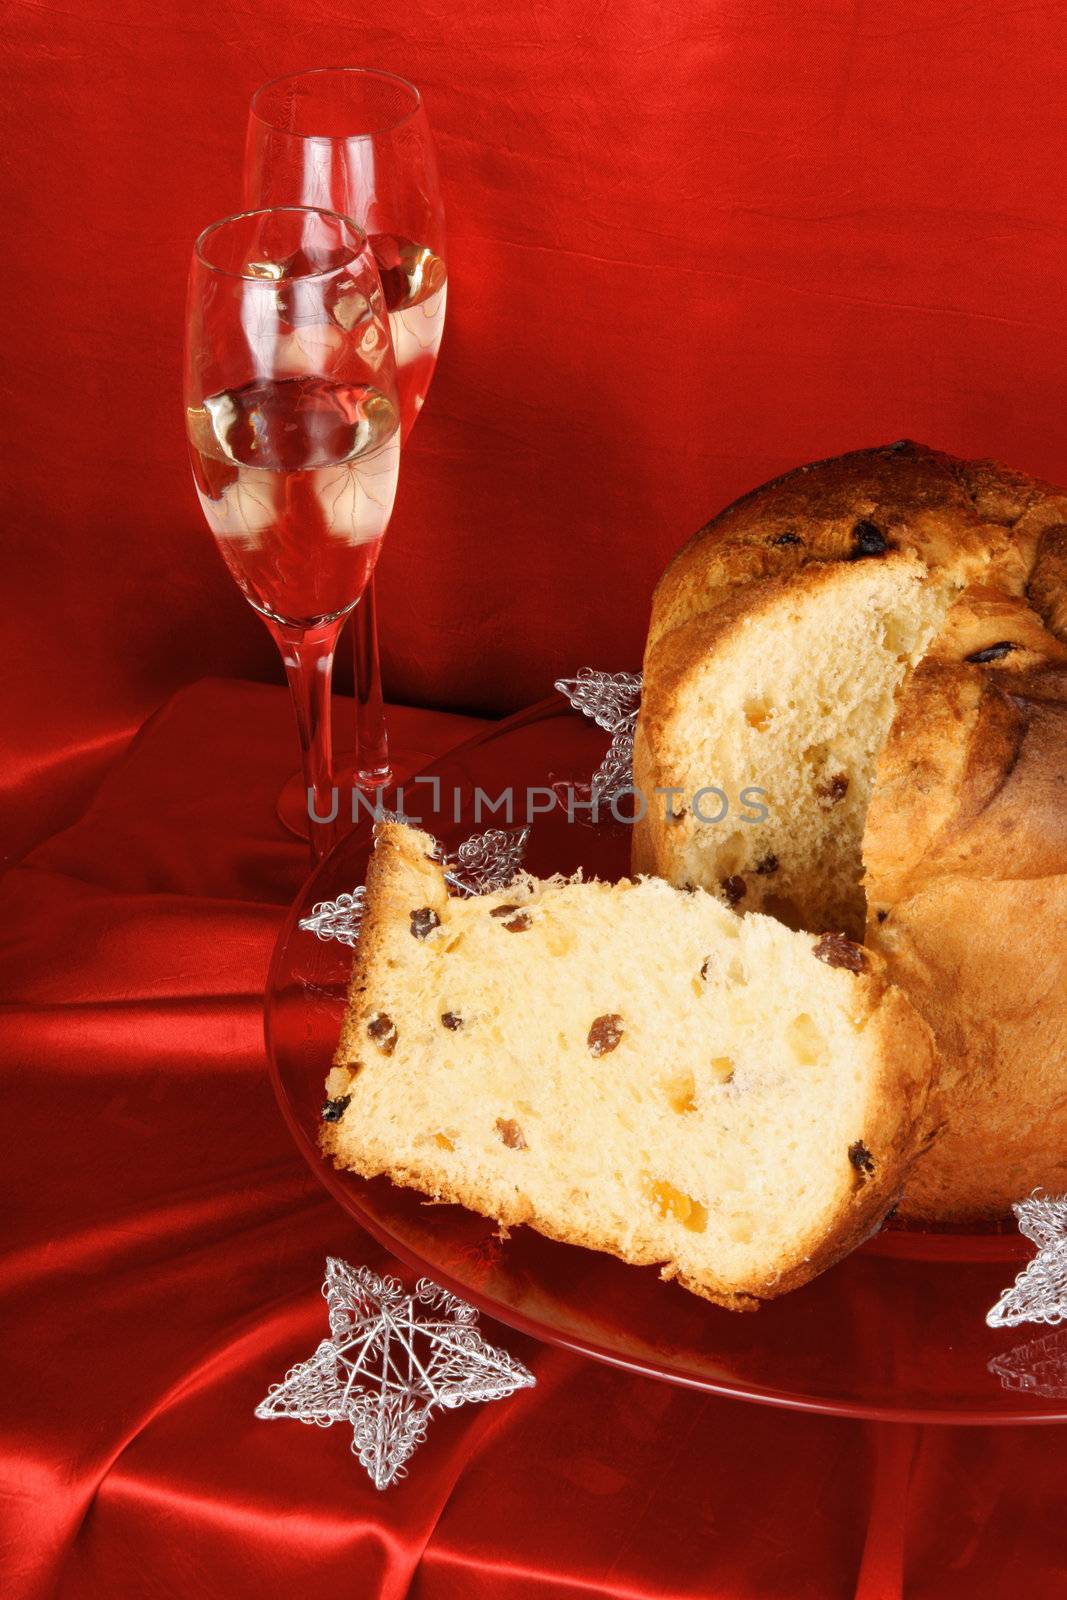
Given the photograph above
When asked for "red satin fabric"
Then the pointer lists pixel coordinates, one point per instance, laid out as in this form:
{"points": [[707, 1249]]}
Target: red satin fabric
{"points": [[691, 244], [164, 1250]]}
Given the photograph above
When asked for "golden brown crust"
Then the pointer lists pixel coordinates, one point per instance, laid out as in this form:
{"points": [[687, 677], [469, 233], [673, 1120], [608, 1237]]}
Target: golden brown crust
{"points": [[969, 813], [1046, 587], [972, 781], [967, 864], [401, 862], [960, 518], [911, 494], [1001, 1091]]}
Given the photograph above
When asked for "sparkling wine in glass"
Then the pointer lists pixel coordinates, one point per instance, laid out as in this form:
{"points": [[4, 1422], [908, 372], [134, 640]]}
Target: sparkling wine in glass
{"points": [[293, 422], [357, 141], [415, 286]]}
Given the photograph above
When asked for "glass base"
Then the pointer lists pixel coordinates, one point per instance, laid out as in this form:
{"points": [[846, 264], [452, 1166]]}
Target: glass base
{"points": [[292, 806]]}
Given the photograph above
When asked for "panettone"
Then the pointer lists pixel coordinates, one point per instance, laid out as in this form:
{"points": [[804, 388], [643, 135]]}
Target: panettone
{"points": [[863, 666]]}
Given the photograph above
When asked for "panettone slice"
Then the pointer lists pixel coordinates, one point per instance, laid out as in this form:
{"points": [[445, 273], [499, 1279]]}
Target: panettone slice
{"points": [[628, 1067]]}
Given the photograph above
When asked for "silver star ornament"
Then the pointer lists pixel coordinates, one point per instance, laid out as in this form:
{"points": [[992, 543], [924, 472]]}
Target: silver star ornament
{"points": [[483, 862], [1038, 1368], [612, 700], [1039, 1293], [391, 1360]]}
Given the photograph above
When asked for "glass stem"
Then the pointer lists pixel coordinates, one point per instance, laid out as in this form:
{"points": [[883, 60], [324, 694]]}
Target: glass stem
{"points": [[308, 657], [372, 742]]}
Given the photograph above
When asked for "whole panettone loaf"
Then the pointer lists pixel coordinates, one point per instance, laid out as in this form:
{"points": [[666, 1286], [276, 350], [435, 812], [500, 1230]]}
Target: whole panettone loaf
{"points": [[879, 644], [628, 1067]]}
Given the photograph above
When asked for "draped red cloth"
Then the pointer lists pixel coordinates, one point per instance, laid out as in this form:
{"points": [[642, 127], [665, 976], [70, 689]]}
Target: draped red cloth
{"points": [[692, 243], [163, 1259]]}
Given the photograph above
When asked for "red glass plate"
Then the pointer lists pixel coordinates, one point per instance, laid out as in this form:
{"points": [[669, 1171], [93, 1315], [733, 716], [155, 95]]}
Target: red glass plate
{"points": [[896, 1331]]}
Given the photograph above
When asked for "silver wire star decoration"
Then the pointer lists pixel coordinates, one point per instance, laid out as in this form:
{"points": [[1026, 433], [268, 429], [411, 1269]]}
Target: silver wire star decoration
{"points": [[1039, 1367], [1039, 1293], [483, 862], [486, 861], [612, 700], [339, 919], [391, 1360]]}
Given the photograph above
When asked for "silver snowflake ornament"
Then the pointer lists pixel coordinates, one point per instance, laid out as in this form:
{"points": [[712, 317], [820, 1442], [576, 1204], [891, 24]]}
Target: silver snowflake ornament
{"points": [[339, 919], [483, 862], [1039, 1293], [1039, 1367], [392, 1358], [612, 700], [615, 774], [486, 861]]}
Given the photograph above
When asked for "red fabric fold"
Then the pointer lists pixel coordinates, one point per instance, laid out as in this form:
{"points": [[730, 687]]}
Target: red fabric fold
{"points": [[165, 1246]]}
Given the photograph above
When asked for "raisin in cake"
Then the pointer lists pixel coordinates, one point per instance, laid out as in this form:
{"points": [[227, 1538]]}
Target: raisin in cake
{"points": [[629, 1067], [879, 642]]}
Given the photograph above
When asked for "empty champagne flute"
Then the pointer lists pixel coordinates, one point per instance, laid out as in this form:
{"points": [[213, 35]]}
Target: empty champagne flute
{"points": [[357, 141], [293, 423]]}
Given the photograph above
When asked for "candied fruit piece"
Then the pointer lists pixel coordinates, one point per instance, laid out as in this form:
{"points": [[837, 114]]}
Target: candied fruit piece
{"points": [[681, 1093], [503, 911], [992, 652], [423, 922], [443, 1142], [805, 1040], [605, 1034], [382, 1029], [675, 1204], [868, 540], [838, 951], [832, 792], [511, 1133], [862, 1160], [519, 922]]}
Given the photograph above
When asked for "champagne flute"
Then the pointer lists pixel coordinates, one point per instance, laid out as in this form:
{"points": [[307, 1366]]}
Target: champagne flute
{"points": [[357, 141], [293, 423]]}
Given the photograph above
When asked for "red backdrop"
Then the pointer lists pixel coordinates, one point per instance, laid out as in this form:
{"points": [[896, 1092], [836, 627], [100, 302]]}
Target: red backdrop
{"points": [[692, 242]]}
